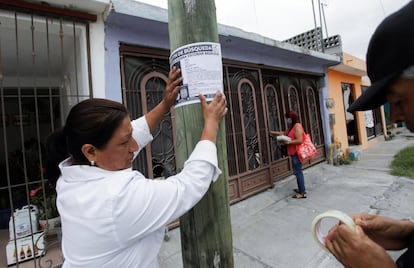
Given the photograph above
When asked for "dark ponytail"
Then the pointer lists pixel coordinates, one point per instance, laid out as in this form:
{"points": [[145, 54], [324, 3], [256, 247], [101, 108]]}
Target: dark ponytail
{"points": [[92, 121], [56, 152]]}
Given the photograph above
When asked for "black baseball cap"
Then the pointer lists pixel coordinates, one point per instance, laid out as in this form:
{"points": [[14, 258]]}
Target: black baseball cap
{"points": [[390, 52]]}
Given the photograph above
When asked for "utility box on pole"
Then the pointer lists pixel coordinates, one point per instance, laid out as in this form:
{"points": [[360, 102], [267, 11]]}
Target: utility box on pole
{"points": [[206, 237]]}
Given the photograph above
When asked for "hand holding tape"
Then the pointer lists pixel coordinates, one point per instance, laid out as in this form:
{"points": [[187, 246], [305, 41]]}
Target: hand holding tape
{"points": [[336, 214]]}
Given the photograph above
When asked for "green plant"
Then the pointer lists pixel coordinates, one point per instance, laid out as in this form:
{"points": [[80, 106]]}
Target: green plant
{"points": [[403, 163], [45, 200], [344, 160]]}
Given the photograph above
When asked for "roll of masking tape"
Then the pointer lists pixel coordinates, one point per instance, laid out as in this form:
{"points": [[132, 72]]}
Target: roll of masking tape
{"points": [[336, 214]]}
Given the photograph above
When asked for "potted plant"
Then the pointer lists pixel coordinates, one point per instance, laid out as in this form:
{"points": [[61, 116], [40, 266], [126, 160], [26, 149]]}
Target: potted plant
{"points": [[44, 198]]}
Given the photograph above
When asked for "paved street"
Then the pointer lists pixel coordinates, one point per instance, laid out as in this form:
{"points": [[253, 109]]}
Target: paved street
{"points": [[273, 230]]}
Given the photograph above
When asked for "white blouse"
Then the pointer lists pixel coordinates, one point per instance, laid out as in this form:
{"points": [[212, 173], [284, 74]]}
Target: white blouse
{"points": [[117, 218]]}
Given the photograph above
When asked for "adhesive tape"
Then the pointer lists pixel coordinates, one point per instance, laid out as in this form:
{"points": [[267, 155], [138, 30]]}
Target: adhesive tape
{"points": [[336, 214]]}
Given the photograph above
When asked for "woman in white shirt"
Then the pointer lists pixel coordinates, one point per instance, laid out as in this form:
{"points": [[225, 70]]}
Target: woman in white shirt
{"points": [[112, 216]]}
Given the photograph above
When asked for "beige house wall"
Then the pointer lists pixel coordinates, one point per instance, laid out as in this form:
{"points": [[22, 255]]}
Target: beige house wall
{"points": [[335, 78], [353, 62]]}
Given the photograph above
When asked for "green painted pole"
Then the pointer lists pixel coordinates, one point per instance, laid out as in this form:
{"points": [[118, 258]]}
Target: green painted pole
{"points": [[206, 237]]}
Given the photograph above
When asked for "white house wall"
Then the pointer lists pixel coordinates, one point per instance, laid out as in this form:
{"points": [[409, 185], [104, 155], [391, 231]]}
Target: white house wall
{"points": [[97, 41]]}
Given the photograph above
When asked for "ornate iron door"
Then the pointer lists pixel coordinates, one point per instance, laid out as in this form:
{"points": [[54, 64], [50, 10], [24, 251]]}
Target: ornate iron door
{"points": [[301, 96], [143, 88]]}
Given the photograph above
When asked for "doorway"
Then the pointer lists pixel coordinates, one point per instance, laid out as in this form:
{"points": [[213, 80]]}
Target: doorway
{"points": [[348, 94]]}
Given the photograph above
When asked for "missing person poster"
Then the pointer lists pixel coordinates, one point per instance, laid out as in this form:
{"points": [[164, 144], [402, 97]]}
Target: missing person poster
{"points": [[202, 70]]}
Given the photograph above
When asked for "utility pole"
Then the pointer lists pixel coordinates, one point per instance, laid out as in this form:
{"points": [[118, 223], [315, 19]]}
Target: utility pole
{"points": [[206, 237], [320, 20], [324, 19]]}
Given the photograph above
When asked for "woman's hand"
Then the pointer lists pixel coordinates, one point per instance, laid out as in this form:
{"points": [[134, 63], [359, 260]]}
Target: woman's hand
{"points": [[276, 133], [356, 249], [172, 88], [155, 116], [213, 113]]}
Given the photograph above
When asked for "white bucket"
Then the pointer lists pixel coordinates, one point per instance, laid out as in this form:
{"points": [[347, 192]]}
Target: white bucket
{"points": [[354, 152], [22, 222]]}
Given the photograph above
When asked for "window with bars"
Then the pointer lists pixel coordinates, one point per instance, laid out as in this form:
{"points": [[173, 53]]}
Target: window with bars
{"points": [[143, 88], [44, 67]]}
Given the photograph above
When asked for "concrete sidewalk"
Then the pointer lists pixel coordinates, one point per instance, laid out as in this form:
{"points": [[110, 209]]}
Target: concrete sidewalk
{"points": [[272, 229]]}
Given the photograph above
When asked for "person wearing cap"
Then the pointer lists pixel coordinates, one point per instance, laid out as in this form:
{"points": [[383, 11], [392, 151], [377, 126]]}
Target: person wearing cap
{"points": [[390, 67]]}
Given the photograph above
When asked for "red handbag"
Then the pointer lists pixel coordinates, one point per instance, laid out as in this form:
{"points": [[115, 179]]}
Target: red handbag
{"points": [[306, 150]]}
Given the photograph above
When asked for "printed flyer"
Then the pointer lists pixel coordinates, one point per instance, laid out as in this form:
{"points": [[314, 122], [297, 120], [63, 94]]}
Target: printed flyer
{"points": [[202, 69]]}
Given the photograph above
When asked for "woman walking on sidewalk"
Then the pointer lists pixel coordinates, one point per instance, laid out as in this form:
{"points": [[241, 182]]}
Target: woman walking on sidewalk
{"points": [[295, 134]]}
